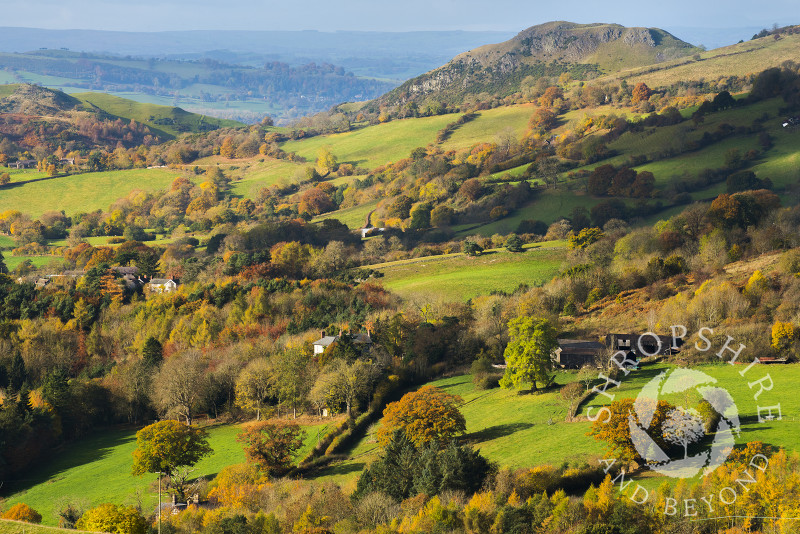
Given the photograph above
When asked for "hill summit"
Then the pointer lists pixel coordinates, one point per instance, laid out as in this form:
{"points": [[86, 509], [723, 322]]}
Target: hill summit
{"points": [[582, 50]]}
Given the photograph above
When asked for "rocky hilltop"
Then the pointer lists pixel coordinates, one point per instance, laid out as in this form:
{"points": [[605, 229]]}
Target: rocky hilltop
{"points": [[583, 50]]}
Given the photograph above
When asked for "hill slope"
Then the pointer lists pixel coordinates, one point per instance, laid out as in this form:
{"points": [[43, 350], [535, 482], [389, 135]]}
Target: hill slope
{"points": [[544, 50]]}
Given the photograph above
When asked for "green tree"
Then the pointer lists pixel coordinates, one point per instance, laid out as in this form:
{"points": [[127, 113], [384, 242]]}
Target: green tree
{"points": [[272, 447], [113, 518], [528, 353], [513, 243], [471, 248], [152, 352], [421, 216], [167, 447], [3, 268]]}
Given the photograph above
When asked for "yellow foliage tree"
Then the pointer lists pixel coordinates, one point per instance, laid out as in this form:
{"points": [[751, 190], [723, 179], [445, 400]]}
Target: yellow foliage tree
{"points": [[782, 335], [112, 518]]}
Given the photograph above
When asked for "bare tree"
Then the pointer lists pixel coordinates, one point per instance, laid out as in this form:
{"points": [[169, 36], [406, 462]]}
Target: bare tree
{"points": [[181, 385]]}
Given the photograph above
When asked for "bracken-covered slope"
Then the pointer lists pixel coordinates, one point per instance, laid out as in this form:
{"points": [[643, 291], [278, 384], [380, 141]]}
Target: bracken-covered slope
{"points": [[583, 50]]}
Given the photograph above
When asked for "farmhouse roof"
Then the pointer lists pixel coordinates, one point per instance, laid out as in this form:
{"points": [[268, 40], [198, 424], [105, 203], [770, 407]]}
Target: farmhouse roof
{"points": [[325, 341], [161, 281]]}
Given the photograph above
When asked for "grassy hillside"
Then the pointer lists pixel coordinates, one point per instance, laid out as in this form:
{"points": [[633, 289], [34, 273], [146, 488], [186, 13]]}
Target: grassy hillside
{"points": [[459, 277], [19, 527], [354, 217], [172, 120], [739, 59], [375, 145], [519, 429], [107, 456], [29, 193]]}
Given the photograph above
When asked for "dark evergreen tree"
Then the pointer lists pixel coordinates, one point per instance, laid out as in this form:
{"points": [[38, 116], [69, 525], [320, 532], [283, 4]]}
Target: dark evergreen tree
{"points": [[152, 352]]}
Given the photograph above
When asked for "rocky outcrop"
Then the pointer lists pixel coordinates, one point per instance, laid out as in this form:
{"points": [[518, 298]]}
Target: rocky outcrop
{"points": [[544, 50]]}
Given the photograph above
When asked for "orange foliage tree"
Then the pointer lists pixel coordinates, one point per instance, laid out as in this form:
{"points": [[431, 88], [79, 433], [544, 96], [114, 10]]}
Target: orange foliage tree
{"points": [[640, 93], [23, 512], [613, 428], [425, 415]]}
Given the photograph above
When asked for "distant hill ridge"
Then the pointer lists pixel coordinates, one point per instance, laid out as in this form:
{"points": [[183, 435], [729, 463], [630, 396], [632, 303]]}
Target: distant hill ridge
{"points": [[165, 121], [583, 50]]}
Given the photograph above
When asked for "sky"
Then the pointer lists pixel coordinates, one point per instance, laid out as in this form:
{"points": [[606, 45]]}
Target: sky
{"points": [[384, 15]]}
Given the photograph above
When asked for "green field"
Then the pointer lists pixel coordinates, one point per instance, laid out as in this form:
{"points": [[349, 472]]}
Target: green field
{"points": [[18, 527], [460, 277], [374, 145], [80, 192], [168, 119], [38, 261], [354, 217], [550, 206], [97, 469], [490, 123], [523, 430]]}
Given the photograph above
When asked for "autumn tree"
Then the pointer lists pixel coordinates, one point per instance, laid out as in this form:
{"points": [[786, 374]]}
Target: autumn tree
{"points": [[585, 237], [542, 119], [22, 512], [117, 519], [167, 447], [640, 93], [326, 161], [612, 427], [527, 355], [227, 149], [550, 96], [5, 179], [424, 415], [272, 447]]}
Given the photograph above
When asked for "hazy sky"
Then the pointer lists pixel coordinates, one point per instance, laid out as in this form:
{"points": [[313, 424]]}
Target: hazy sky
{"points": [[383, 15]]}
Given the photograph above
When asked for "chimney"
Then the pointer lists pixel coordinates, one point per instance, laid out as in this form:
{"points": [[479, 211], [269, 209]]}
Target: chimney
{"points": [[322, 334]]}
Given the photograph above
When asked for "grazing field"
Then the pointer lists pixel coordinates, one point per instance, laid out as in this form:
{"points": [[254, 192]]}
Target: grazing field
{"points": [[167, 119], [38, 261], [550, 206], [19, 527], [80, 192], [520, 429], [460, 277], [489, 124], [354, 217], [374, 145], [107, 456]]}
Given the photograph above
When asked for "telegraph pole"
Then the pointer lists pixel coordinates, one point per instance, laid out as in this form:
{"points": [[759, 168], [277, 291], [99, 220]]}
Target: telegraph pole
{"points": [[159, 502]]}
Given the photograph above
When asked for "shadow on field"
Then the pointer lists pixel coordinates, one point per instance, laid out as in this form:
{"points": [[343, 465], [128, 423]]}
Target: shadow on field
{"points": [[343, 469], [497, 431], [72, 455]]}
